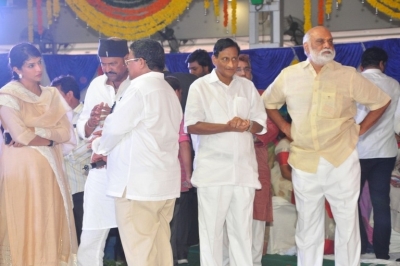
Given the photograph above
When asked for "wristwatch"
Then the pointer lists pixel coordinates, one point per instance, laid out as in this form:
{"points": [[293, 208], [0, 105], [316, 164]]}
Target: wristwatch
{"points": [[51, 143]]}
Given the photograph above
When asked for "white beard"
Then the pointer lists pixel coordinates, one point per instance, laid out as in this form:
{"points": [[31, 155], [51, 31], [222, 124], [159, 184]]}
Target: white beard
{"points": [[321, 59]]}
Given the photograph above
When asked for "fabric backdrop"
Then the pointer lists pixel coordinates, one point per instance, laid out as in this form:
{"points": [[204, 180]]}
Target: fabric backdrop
{"points": [[266, 63]]}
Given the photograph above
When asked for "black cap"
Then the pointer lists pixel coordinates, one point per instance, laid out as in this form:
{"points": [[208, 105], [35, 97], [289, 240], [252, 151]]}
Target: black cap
{"points": [[113, 48]]}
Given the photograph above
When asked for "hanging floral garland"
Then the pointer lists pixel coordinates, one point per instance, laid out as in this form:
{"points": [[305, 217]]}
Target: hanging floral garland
{"points": [[307, 15], [30, 20], [390, 8], [39, 16], [158, 17], [328, 7], [56, 8], [216, 8], [49, 12], [320, 12], [206, 4], [234, 18], [226, 13]]}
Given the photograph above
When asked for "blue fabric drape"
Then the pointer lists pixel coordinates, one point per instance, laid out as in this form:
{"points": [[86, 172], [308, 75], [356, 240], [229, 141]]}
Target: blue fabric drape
{"points": [[82, 67], [392, 48], [176, 62], [5, 72], [266, 63], [348, 54], [300, 53]]}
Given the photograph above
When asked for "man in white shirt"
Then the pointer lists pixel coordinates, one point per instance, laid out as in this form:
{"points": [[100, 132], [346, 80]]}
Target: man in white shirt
{"points": [[140, 140], [103, 91], [76, 159], [223, 111], [377, 150]]}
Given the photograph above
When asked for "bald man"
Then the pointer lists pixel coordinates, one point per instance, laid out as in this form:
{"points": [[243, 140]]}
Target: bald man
{"points": [[321, 97]]}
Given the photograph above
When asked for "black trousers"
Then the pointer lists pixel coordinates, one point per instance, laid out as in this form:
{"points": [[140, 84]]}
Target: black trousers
{"points": [[378, 173], [77, 198]]}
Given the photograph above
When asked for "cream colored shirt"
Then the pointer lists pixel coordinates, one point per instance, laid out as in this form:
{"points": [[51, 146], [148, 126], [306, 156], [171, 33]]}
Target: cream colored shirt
{"points": [[322, 107]]}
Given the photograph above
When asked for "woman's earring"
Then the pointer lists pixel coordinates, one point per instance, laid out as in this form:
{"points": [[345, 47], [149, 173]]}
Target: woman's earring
{"points": [[20, 76]]}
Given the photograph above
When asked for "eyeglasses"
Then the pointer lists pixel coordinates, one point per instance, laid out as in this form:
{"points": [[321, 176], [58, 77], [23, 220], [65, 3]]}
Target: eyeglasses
{"points": [[129, 60], [245, 69]]}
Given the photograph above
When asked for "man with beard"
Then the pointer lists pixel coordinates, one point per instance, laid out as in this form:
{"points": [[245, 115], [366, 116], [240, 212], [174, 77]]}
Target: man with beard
{"points": [[321, 97], [103, 91]]}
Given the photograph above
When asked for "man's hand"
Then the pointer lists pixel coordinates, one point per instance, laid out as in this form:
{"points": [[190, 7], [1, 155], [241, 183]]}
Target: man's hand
{"points": [[238, 124], [98, 113], [98, 157], [96, 134], [286, 129]]}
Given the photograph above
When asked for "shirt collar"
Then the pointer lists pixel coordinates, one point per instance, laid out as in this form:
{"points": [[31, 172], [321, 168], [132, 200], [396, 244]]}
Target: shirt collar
{"points": [[213, 77], [372, 70]]}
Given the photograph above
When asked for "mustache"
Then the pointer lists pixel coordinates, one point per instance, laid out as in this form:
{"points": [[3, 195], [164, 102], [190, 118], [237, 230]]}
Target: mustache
{"points": [[110, 72], [326, 50]]}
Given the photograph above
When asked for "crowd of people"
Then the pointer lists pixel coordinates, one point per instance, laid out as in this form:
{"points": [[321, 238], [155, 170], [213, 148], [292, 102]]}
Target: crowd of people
{"points": [[175, 159]]}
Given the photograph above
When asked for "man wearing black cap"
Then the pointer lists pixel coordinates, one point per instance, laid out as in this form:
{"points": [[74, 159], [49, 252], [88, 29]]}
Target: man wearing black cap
{"points": [[103, 91]]}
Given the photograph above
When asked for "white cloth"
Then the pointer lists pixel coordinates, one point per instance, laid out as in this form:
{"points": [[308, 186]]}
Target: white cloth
{"points": [[379, 140], [98, 92], [233, 204], [258, 241], [341, 187], [224, 158], [91, 248], [76, 159], [141, 140], [258, 232], [99, 209]]}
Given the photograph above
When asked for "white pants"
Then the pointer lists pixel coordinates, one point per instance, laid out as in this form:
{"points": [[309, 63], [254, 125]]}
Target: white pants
{"points": [[341, 187], [258, 228], [258, 241], [91, 248], [233, 204]]}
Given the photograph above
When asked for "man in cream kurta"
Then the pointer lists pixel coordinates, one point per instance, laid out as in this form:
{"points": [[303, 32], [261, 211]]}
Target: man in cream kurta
{"points": [[321, 97], [224, 110], [140, 139]]}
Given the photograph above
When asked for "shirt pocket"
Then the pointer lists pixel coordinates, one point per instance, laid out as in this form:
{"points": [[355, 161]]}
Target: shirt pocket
{"points": [[330, 104], [241, 107]]}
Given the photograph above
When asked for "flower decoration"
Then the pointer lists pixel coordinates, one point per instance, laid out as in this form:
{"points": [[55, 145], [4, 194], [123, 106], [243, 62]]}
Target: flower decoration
{"points": [[128, 23]]}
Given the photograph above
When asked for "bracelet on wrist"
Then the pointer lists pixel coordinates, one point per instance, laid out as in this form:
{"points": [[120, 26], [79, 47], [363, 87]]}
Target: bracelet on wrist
{"points": [[51, 143], [250, 126], [87, 123]]}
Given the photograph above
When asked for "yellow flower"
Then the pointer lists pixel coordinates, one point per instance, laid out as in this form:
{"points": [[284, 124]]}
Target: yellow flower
{"points": [[307, 15]]}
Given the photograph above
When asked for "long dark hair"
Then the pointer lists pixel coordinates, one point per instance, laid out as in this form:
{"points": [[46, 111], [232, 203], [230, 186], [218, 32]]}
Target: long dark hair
{"points": [[19, 54]]}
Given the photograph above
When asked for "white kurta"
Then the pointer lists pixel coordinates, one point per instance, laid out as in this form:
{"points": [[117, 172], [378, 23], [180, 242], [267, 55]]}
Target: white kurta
{"points": [[141, 141], [99, 209]]}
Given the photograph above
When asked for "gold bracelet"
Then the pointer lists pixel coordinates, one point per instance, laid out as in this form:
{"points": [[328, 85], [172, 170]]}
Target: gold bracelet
{"points": [[87, 123]]}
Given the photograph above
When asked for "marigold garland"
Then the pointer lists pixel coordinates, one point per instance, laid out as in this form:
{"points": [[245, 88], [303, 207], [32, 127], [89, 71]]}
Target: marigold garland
{"points": [[226, 13], [49, 12], [130, 30], [234, 18], [328, 7], [387, 7], [56, 8], [206, 4], [320, 12], [30, 20], [216, 8], [128, 14], [307, 15], [39, 16]]}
